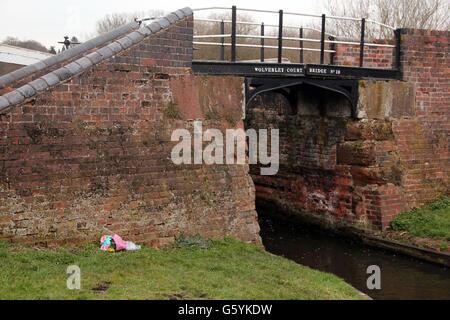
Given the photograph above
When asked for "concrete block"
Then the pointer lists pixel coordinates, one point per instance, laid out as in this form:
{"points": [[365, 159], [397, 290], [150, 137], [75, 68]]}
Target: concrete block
{"points": [[145, 31], [187, 11], [115, 47], [385, 99], [4, 103], [95, 57], [5, 80], [172, 18], [105, 52], [180, 14], [74, 68], [125, 42], [136, 37], [27, 91], [163, 22], [14, 97], [154, 27], [85, 63], [63, 74], [39, 85], [51, 79]]}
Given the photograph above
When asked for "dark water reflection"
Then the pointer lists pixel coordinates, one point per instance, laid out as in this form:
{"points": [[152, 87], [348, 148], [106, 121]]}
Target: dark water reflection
{"points": [[401, 277]]}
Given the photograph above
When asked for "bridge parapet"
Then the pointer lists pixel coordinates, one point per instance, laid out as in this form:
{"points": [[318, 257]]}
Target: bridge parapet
{"points": [[327, 50]]}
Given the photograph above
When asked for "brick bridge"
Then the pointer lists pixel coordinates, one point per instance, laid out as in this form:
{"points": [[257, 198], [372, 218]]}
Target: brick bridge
{"points": [[85, 135]]}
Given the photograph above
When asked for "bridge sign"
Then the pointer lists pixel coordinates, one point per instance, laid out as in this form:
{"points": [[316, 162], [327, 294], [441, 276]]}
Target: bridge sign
{"points": [[289, 70], [282, 70], [249, 69]]}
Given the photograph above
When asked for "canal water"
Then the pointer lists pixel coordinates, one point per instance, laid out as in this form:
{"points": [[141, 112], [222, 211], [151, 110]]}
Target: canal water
{"points": [[401, 277]]}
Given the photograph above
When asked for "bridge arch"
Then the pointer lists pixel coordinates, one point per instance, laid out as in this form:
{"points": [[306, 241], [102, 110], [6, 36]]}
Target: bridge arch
{"points": [[290, 89]]}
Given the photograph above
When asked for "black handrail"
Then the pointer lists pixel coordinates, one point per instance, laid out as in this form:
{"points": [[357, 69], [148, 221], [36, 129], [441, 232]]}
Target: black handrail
{"points": [[398, 44], [322, 40], [262, 42], [280, 37], [222, 48], [301, 45], [361, 46], [332, 48], [233, 33]]}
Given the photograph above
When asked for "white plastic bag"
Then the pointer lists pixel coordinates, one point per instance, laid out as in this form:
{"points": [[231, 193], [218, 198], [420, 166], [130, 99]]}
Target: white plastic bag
{"points": [[131, 246]]}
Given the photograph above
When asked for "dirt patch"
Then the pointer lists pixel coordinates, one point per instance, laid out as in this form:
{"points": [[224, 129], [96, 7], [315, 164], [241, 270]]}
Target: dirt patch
{"points": [[176, 296], [102, 287], [184, 295], [427, 243]]}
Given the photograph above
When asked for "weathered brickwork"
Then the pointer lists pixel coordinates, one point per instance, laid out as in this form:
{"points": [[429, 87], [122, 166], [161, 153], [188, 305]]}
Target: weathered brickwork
{"points": [[424, 141], [374, 56], [363, 172], [334, 169], [24, 75], [92, 155]]}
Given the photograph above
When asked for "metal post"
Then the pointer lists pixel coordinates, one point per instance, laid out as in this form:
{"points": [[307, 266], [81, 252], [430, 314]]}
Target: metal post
{"points": [[322, 41], [301, 46], [332, 48], [262, 42], [280, 38], [398, 48], [233, 33], [361, 46], [222, 48]]}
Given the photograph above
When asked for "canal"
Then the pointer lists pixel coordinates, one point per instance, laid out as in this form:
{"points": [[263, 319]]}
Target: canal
{"points": [[401, 277]]}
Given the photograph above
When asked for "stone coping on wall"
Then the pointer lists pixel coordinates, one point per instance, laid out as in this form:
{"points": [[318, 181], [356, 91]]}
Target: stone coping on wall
{"points": [[10, 78], [132, 34]]}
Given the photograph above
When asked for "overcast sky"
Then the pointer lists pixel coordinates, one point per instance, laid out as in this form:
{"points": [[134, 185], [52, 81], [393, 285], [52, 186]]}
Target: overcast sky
{"points": [[47, 21]]}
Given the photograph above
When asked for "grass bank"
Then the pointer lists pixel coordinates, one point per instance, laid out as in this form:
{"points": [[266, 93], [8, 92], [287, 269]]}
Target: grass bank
{"points": [[428, 226], [192, 270]]}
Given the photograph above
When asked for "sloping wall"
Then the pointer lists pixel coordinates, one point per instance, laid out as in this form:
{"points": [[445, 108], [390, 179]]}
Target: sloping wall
{"points": [[91, 154]]}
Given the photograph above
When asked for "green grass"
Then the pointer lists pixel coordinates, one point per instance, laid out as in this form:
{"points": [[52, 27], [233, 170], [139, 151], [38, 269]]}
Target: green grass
{"points": [[193, 270], [432, 221]]}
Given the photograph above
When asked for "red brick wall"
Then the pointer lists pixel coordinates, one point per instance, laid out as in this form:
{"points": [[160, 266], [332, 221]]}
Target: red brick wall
{"points": [[334, 170], [92, 155], [309, 180], [374, 56], [423, 140], [364, 172]]}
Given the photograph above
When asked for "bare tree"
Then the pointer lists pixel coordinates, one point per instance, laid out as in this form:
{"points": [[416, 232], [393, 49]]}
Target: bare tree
{"points": [[116, 20], [252, 50], [27, 44], [206, 52], [421, 14]]}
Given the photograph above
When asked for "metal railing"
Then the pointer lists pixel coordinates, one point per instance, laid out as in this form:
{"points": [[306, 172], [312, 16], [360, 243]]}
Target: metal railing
{"points": [[325, 39]]}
